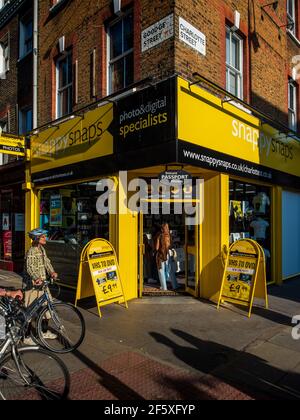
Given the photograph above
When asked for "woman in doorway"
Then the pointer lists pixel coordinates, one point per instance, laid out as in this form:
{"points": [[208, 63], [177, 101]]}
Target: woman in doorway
{"points": [[165, 265]]}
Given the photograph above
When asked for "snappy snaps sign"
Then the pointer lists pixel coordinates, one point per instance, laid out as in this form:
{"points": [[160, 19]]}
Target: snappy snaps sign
{"points": [[245, 275], [98, 259]]}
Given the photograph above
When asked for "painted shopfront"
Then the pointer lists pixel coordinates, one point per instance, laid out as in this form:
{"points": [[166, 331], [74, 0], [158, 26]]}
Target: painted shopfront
{"points": [[246, 165]]}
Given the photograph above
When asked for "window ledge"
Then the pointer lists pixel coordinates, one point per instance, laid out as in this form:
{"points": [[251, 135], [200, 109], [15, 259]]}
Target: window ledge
{"points": [[294, 38]]}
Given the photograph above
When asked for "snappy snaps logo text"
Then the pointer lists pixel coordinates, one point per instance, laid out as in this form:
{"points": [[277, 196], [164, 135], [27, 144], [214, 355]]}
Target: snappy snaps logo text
{"points": [[264, 142]]}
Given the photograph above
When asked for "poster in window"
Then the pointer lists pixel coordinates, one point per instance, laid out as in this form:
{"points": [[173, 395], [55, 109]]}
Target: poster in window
{"points": [[55, 210], [5, 221], [19, 222]]}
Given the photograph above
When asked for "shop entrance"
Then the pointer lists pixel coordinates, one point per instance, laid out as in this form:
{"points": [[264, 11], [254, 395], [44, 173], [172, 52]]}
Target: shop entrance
{"points": [[184, 254]]}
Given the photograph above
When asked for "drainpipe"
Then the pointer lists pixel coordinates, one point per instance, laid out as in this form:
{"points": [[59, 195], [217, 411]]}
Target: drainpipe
{"points": [[35, 63]]}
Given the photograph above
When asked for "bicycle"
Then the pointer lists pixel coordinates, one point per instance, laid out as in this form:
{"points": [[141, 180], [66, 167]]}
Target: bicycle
{"points": [[28, 373], [61, 319]]}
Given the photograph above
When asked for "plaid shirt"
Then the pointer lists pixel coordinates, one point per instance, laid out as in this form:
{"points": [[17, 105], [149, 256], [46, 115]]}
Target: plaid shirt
{"points": [[37, 264]]}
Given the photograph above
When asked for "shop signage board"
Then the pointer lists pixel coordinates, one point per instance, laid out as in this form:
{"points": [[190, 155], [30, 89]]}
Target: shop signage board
{"points": [[192, 36], [12, 145], [80, 138], [99, 274], [157, 33], [146, 120], [222, 137], [244, 276], [174, 176]]}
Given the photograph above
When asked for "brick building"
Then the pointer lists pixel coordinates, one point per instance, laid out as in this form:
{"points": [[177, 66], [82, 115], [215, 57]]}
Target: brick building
{"points": [[218, 83], [16, 106]]}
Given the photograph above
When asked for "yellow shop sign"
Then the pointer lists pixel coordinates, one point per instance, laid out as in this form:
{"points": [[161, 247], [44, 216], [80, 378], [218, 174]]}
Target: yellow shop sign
{"points": [[205, 121], [11, 145], [80, 138], [99, 274]]}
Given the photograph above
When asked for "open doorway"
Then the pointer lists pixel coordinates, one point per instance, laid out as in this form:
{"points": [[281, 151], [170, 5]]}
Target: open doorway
{"points": [[183, 255]]}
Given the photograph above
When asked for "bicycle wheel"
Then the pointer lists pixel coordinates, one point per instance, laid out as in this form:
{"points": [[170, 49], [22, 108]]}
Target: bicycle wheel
{"points": [[35, 375], [65, 324]]}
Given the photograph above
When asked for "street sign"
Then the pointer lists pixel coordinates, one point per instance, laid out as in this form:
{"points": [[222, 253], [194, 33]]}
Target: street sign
{"points": [[244, 276], [12, 145], [99, 274]]}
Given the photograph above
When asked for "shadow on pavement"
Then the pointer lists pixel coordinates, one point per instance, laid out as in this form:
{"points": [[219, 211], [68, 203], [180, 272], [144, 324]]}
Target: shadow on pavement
{"points": [[248, 373], [290, 290], [117, 388]]}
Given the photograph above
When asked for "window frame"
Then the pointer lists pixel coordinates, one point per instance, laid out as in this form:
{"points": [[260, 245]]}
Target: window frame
{"points": [[292, 111], [68, 54], [291, 18], [23, 41], [4, 59], [239, 74], [120, 57]]}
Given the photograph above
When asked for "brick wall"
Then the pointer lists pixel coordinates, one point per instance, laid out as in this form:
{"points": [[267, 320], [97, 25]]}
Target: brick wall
{"points": [[268, 50]]}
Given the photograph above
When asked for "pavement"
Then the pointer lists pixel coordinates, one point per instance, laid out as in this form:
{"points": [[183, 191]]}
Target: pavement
{"points": [[182, 348]]}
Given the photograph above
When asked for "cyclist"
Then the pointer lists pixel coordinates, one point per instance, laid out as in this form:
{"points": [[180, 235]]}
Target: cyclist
{"points": [[37, 268]]}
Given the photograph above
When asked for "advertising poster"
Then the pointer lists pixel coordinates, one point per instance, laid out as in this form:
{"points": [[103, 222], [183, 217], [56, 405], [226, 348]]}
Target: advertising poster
{"points": [[5, 221], [55, 210], [7, 245], [19, 222]]}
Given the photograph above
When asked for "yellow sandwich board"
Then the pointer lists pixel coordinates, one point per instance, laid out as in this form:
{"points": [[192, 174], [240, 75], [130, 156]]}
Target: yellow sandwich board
{"points": [[244, 276], [12, 145], [99, 274]]}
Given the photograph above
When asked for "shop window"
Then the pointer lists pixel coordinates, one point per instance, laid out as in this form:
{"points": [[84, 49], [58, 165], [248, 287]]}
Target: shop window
{"points": [[120, 35], [250, 216], [69, 215], [26, 37], [292, 97], [25, 121], [234, 64], [64, 85]]}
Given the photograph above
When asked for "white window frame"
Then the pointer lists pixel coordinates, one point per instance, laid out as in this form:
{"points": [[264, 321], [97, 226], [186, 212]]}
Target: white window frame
{"points": [[230, 68], [120, 57], [59, 90], [3, 3], [4, 56], [291, 18], [292, 112]]}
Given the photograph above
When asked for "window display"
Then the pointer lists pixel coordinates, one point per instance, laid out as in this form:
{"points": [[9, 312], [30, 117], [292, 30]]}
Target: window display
{"points": [[250, 216], [70, 216]]}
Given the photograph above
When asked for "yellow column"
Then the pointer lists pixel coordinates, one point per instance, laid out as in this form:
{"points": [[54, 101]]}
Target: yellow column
{"points": [[31, 206], [127, 242], [215, 234]]}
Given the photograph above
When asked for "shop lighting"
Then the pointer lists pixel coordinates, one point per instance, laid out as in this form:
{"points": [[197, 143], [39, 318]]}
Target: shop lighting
{"points": [[58, 122]]}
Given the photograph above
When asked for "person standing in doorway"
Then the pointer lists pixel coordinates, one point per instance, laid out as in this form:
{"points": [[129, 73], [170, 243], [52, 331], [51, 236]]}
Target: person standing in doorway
{"points": [[165, 266]]}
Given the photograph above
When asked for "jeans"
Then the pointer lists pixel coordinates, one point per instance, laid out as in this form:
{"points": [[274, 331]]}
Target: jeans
{"points": [[167, 273]]}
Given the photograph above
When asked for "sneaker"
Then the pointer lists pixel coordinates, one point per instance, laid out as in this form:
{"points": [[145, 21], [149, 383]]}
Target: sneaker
{"points": [[49, 335], [28, 341]]}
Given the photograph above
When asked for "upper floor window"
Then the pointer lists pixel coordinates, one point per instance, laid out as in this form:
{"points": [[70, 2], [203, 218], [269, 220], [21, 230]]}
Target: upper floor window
{"points": [[25, 121], [4, 58], [292, 98], [120, 61], [234, 63], [26, 37], [64, 85], [291, 16]]}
